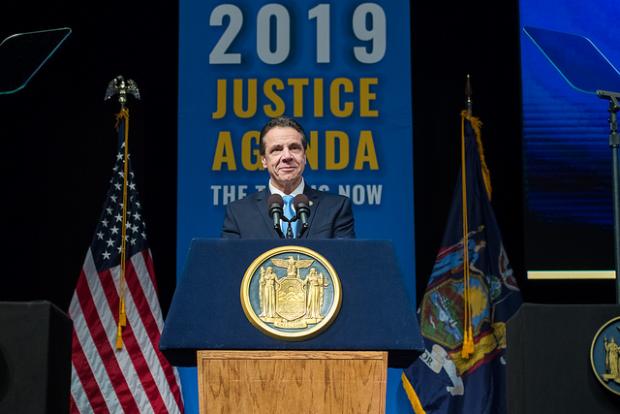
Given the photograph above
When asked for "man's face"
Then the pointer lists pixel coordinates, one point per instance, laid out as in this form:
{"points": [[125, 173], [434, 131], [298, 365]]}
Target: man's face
{"points": [[285, 157]]}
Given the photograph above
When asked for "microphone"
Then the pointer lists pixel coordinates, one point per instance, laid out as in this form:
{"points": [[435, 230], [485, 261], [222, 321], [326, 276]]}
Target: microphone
{"points": [[276, 203], [302, 208]]}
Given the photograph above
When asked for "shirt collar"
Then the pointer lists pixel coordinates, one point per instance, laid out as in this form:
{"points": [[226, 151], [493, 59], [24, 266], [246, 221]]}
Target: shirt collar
{"points": [[298, 190]]}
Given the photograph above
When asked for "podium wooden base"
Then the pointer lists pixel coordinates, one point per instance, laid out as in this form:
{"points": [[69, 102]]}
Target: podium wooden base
{"points": [[299, 382]]}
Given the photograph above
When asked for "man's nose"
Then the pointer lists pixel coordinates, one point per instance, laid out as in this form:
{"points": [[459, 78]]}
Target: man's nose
{"points": [[286, 154]]}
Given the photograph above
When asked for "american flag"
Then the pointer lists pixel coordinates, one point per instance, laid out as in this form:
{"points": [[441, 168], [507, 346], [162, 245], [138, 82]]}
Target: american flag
{"points": [[136, 378]]}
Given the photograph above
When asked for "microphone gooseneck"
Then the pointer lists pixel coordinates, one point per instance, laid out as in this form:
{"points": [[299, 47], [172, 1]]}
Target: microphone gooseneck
{"points": [[276, 212], [302, 207]]}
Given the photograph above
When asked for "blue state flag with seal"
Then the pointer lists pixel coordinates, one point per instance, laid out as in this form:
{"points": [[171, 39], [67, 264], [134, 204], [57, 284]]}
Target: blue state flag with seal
{"points": [[470, 295]]}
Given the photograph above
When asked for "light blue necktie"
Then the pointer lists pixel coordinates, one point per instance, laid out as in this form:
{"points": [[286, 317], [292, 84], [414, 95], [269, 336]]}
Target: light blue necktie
{"points": [[289, 213]]}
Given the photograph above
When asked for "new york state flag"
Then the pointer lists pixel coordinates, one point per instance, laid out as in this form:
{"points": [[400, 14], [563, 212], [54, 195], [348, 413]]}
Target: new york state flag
{"points": [[470, 295]]}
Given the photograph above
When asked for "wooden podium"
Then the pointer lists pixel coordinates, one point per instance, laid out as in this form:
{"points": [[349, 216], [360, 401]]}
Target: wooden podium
{"points": [[242, 370], [300, 382]]}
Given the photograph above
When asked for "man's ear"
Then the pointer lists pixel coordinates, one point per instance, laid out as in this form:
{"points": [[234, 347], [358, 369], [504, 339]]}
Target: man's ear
{"points": [[264, 161]]}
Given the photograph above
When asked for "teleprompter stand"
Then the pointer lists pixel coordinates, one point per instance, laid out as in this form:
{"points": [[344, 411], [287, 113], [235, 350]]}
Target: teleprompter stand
{"points": [[35, 337], [586, 69]]}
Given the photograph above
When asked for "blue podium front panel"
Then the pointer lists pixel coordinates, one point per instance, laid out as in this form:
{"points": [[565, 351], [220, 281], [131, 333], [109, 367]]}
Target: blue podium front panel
{"points": [[206, 311]]}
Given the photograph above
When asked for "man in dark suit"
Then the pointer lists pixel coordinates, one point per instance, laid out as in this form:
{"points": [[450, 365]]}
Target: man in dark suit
{"points": [[283, 151]]}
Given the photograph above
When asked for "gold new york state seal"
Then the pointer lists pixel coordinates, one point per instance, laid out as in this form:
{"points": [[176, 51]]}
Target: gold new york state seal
{"points": [[291, 292]]}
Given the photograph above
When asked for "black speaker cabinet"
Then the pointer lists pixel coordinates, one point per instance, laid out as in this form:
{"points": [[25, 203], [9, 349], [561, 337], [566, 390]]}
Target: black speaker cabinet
{"points": [[548, 354], [35, 358]]}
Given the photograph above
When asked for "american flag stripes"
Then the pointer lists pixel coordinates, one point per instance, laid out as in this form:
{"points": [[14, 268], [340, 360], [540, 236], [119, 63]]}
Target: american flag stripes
{"points": [[137, 378]]}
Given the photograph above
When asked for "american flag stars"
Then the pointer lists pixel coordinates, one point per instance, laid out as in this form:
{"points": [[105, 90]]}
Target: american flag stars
{"points": [[110, 225]]}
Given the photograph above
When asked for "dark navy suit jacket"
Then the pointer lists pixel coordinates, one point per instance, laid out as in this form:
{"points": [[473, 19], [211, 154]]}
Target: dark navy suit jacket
{"points": [[331, 217]]}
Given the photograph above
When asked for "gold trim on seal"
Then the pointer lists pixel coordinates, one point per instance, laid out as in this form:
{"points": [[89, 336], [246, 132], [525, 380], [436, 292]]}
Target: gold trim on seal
{"points": [[302, 320], [611, 349]]}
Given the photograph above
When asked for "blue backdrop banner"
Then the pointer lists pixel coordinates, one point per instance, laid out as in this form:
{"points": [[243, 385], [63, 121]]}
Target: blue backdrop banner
{"points": [[342, 68]]}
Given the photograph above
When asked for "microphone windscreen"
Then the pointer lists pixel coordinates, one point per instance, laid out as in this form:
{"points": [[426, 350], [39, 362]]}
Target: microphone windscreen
{"points": [[275, 199], [301, 200]]}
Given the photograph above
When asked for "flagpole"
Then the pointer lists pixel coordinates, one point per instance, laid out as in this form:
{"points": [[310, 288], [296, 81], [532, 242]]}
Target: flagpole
{"points": [[118, 86], [614, 144], [468, 337], [468, 95]]}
